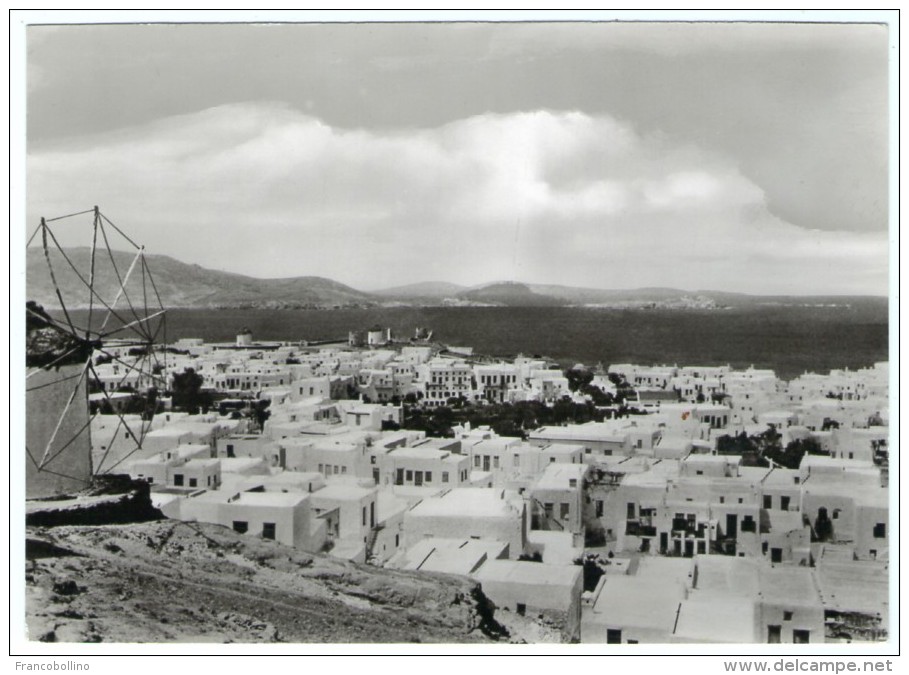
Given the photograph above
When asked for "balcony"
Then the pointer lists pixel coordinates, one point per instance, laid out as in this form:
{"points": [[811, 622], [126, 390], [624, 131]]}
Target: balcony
{"points": [[640, 528]]}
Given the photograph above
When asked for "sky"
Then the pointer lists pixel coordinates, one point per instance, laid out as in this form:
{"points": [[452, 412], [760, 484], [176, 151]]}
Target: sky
{"points": [[746, 157]]}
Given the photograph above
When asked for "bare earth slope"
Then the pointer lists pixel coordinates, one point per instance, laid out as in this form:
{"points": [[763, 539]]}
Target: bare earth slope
{"points": [[170, 581]]}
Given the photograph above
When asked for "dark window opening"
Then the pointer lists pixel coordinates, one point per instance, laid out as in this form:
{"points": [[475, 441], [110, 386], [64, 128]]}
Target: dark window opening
{"points": [[241, 526], [268, 530]]}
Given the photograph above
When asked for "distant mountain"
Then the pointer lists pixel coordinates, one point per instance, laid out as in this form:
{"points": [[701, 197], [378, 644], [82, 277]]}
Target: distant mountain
{"points": [[510, 294], [178, 284], [435, 290], [181, 284]]}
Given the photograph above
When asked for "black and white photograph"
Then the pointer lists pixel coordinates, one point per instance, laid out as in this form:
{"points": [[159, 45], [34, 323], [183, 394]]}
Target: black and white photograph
{"points": [[559, 333]]}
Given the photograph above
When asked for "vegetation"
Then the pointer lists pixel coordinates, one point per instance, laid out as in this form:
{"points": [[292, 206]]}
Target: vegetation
{"points": [[187, 392], [506, 419], [764, 448]]}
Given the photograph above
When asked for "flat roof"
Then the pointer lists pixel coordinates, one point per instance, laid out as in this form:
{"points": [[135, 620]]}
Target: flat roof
{"points": [[530, 573], [788, 585], [452, 556], [727, 575], [229, 464], [556, 475], [467, 503], [780, 477], [343, 492], [421, 452], [718, 619], [647, 599], [854, 586], [274, 499]]}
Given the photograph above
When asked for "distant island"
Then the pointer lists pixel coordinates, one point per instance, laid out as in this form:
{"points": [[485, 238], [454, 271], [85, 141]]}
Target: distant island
{"points": [[183, 285]]}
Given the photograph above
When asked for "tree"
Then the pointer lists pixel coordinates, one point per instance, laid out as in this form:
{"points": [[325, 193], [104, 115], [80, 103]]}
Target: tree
{"points": [[823, 526], [188, 394], [578, 378], [829, 424]]}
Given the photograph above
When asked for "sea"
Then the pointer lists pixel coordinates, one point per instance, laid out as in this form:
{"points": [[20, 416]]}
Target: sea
{"points": [[788, 338]]}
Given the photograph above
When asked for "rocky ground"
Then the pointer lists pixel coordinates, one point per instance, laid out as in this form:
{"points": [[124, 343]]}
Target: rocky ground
{"points": [[169, 581]]}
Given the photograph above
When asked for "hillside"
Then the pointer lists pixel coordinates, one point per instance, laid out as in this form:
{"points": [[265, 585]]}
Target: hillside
{"points": [[178, 284], [183, 285], [509, 294], [170, 581]]}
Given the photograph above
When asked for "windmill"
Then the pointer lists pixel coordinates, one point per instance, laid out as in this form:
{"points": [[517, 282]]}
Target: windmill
{"points": [[95, 327]]}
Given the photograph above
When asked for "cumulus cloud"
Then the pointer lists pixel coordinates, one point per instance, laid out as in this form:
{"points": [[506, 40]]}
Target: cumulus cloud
{"points": [[541, 196]]}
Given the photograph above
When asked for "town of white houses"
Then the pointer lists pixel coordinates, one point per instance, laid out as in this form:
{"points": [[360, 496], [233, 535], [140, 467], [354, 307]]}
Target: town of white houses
{"points": [[627, 503]]}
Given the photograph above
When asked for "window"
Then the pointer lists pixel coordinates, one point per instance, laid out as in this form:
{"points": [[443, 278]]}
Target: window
{"points": [[495, 462], [178, 479], [699, 472], [563, 511], [800, 637], [343, 469], [768, 501], [397, 540], [613, 636], [444, 476], [774, 633], [476, 461], [429, 476], [880, 531], [599, 508], [722, 499], [364, 516], [784, 503], [193, 482], [408, 475], [741, 500], [241, 526], [321, 468], [268, 530], [630, 511], [787, 616], [521, 608], [372, 459], [230, 450], [572, 482]]}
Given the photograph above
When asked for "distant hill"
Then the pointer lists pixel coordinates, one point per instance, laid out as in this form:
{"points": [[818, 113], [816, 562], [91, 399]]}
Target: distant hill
{"points": [[510, 294], [186, 285], [179, 284]]}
